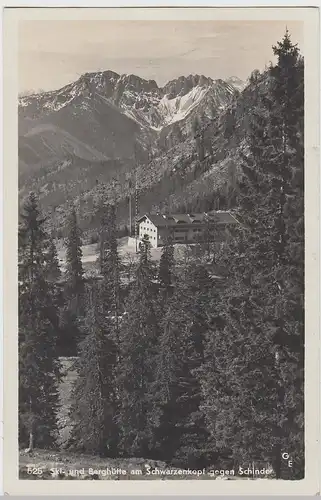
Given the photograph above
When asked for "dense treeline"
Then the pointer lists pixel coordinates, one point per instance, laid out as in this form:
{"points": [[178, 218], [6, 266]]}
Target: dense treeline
{"points": [[190, 367]]}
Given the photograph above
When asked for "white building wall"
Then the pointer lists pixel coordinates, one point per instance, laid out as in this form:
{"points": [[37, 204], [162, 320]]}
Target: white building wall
{"points": [[147, 227]]}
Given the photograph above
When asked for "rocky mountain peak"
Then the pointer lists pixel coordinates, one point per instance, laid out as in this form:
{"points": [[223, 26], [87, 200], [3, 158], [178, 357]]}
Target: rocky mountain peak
{"points": [[139, 84], [184, 84]]}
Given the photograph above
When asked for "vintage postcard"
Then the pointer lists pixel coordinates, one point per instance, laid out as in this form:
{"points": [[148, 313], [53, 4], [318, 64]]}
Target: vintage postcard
{"points": [[161, 246]]}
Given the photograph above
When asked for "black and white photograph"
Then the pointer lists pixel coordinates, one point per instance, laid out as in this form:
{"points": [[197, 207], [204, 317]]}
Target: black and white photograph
{"points": [[161, 250]]}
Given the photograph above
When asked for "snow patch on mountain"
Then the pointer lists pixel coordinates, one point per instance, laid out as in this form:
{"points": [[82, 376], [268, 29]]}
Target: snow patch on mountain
{"points": [[176, 109], [236, 82]]}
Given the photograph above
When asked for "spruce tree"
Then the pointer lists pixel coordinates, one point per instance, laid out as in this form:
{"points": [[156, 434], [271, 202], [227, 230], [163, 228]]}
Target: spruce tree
{"points": [[93, 397], [74, 287], [65, 346], [74, 271], [287, 305], [110, 267], [253, 371], [238, 378], [54, 272], [139, 335], [39, 369], [180, 430]]}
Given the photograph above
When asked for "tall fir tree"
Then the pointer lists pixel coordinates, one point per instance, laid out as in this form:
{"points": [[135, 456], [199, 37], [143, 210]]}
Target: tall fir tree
{"points": [[64, 346], [110, 267], [253, 379], [54, 272], [139, 336], [93, 397], [287, 305], [74, 273], [180, 430], [39, 368], [74, 288]]}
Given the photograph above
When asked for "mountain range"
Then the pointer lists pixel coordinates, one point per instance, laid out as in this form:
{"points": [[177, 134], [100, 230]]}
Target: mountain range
{"points": [[91, 135]]}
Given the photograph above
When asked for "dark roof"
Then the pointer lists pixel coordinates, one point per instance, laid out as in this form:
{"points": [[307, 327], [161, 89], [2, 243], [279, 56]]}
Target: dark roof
{"points": [[173, 219], [156, 219]]}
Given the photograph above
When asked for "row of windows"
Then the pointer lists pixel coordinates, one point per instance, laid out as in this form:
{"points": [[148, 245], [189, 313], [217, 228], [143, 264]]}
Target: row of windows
{"points": [[143, 228]]}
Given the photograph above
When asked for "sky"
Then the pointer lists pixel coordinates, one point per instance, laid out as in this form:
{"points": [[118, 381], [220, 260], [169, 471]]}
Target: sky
{"points": [[55, 53]]}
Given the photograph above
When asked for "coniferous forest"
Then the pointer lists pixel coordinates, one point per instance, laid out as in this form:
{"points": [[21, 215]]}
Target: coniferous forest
{"points": [[197, 362]]}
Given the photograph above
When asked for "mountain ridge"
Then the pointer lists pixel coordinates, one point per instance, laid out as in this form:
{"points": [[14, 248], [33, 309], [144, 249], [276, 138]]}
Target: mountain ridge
{"points": [[125, 91], [131, 77], [77, 142]]}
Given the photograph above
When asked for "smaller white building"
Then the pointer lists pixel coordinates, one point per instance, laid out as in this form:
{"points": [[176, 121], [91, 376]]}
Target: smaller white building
{"points": [[148, 225]]}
